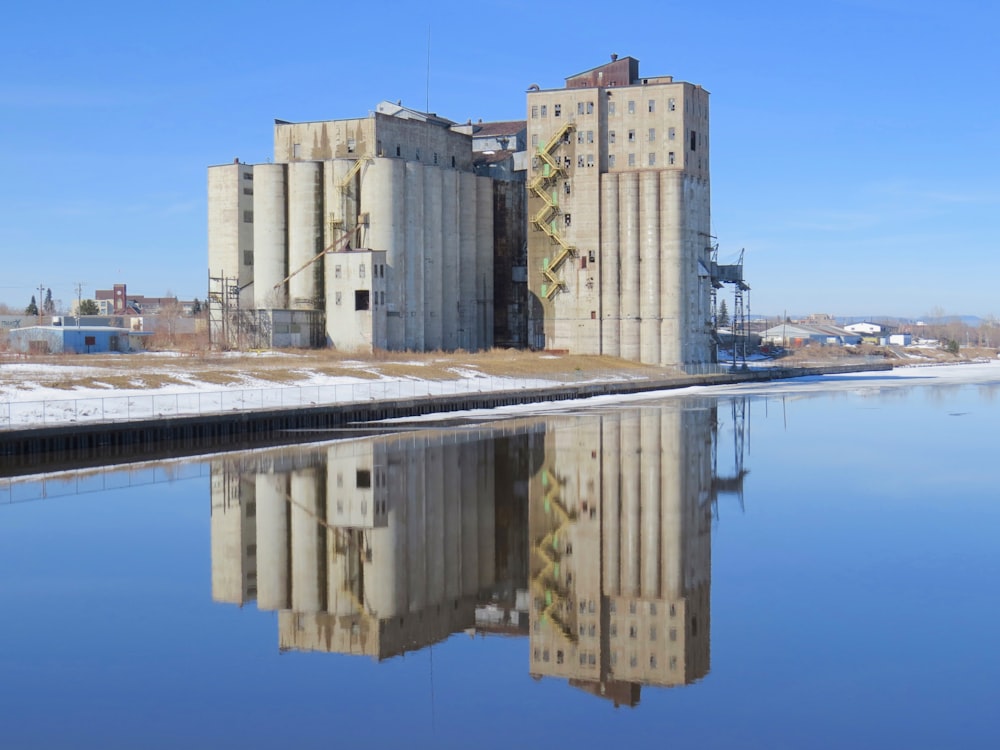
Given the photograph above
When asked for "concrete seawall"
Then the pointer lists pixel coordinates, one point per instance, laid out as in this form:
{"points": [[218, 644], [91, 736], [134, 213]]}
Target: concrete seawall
{"points": [[62, 446]]}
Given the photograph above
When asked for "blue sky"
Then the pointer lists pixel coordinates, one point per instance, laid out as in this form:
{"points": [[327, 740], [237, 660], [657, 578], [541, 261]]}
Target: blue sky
{"points": [[853, 141]]}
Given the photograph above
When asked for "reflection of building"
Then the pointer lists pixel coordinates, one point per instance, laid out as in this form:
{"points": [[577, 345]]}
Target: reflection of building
{"points": [[374, 546], [590, 534], [620, 524]]}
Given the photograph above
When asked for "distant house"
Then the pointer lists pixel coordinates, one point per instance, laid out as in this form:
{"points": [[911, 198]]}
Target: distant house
{"points": [[73, 340], [900, 339], [799, 334]]}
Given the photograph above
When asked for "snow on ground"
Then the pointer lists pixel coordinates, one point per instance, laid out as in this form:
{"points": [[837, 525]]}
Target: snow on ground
{"points": [[979, 373], [24, 402]]}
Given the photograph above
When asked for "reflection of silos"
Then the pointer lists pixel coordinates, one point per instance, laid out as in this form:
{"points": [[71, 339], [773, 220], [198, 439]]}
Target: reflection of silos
{"points": [[434, 483], [416, 541], [651, 468], [649, 284], [487, 481], [467, 305], [449, 259], [305, 232], [631, 502], [272, 541], [630, 273], [469, 500], [611, 458], [433, 299], [385, 575], [383, 199], [452, 516], [412, 306], [269, 236], [610, 267], [307, 541], [672, 281], [673, 483]]}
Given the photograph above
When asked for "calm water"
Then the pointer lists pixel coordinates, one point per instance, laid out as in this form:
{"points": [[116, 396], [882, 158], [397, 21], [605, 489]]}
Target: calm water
{"points": [[797, 570]]}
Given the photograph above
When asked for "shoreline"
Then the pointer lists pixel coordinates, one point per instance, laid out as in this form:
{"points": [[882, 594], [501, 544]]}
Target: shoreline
{"points": [[93, 443]]}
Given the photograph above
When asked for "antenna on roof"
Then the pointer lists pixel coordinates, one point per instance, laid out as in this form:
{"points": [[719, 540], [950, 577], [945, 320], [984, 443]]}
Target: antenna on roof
{"points": [[427, 104]]}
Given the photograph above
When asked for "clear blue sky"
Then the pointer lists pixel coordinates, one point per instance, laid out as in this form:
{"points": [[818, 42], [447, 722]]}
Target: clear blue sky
{"points": [[854, 142]]}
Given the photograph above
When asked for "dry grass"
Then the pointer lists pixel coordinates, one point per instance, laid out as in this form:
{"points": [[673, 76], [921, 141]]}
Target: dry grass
{"points": [[152, 370]]}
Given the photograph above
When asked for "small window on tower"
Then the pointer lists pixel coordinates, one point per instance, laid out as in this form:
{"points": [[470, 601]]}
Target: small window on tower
{"points": [[671, 104], [545, 110], [671, 159], [611, 136], [631, 108], [248, 257], [579, 108], [351, 144], [590, 108], [556, 110], [336, 272], [611, 108], [568, 218], [361, 299], [361, 270]]}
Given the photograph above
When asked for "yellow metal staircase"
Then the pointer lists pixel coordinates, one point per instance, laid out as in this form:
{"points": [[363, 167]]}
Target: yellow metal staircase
{"points": [[545, 218]]}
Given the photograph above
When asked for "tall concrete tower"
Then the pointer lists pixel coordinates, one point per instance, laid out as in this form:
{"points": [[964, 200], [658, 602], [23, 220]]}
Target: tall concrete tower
{"points": [[619, 216]]}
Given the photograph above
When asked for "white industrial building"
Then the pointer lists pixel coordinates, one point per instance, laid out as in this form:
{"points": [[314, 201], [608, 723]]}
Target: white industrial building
{"points": [[385, 232], [376, 230], [619, 250]]}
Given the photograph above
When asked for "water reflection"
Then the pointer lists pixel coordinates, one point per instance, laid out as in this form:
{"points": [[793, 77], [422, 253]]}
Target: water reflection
{"points": [[590, 534]]}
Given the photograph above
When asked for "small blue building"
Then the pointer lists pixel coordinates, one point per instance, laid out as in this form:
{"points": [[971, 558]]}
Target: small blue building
{"points": [[73, 340]]}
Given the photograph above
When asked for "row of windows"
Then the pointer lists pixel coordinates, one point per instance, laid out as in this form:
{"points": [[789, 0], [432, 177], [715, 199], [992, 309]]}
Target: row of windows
{"points": [[379, 507], [633, 661], [378, 268], [650, 159], [633, 632], [587, 136], [588, 108], [363, 479], [351, 147], [650, 135], [589, 658], [363, 299]]}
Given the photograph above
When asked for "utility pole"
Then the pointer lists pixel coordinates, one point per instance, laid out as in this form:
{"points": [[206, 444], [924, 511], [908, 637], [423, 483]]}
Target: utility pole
{"points": [[41, 302], [79, 302]]}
